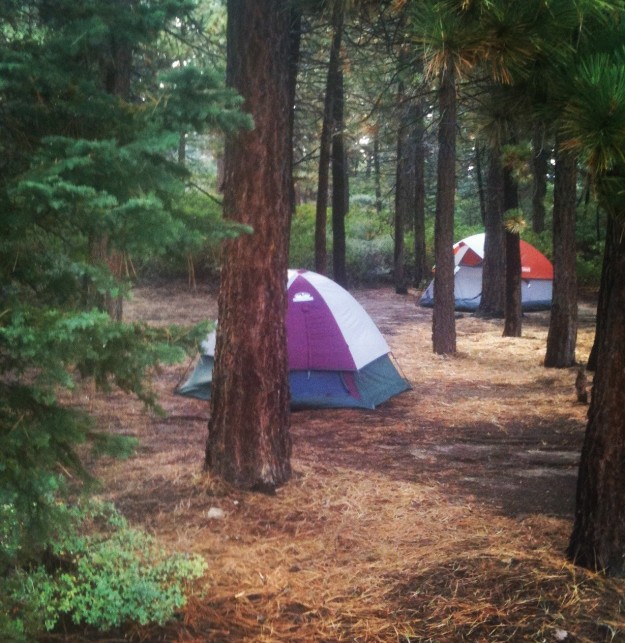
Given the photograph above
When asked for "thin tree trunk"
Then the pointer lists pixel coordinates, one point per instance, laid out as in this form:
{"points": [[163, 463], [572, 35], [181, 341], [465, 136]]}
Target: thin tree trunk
{"points": [[480, 181], [113, 261], [182, 148], [513, 311], [248, 439], [562, 336], [340, 194], [598, 537], [404, 184], [421, 271], [117, 69], [116, 77], [492, 301], [325, 144], [182, 159], [377, 174], [443, 317], [295, 38], [540, 158]]}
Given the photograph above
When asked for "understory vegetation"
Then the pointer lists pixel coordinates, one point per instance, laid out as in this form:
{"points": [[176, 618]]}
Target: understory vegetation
{"points": [[369, 247], [97, 571]]}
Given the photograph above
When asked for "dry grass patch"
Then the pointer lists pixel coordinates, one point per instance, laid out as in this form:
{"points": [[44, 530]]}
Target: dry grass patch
{"points": [[441, 516]]}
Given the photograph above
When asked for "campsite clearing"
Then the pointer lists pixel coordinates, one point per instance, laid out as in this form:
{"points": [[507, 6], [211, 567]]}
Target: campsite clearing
{"points": [[440, 516]]}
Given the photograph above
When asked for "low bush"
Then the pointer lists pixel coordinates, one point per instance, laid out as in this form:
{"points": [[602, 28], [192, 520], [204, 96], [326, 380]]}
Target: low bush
{"points": [[588, 272], [99, 572], [369, 242], [369, 260]]}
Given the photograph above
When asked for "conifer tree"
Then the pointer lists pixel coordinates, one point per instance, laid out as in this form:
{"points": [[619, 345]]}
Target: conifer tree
{"points": [[248, 434], [592, 126], [82, 165]]}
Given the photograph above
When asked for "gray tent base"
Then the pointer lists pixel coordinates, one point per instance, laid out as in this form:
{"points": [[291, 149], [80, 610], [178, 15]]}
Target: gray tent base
{"points": [[367, 388], [471, 305], [536, 294]]}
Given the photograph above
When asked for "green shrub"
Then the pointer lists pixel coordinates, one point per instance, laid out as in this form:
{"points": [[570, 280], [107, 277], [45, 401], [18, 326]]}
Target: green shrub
{"points": [[369, 244], [198, 245], [369, 241], [588, 272], [302, 243], [369, 260], [101, 573]]}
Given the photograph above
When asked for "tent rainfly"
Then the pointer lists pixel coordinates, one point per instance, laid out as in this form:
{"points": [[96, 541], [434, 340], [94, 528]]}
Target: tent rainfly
{"points": [[536, 277], [337, 355]]}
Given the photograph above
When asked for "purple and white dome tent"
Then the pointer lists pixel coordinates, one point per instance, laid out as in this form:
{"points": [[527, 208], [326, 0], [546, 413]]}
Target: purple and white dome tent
{"points": [[337, 356]]}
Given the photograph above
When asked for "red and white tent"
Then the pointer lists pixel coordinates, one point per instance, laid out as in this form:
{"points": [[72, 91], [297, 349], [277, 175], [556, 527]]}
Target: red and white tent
{"points": [[536, 276]]}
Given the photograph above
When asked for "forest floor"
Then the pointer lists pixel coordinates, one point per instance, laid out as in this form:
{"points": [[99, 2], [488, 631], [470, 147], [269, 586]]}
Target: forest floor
{"points": [[441, 516]]}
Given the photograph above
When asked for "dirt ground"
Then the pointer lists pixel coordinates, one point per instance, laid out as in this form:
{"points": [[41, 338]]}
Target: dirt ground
{"points": [[443, 515]]}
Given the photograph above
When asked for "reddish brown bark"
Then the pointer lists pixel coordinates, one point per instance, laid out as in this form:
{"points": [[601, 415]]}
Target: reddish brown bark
{"points": [[248, 442], [598, 537], [443, 318]]}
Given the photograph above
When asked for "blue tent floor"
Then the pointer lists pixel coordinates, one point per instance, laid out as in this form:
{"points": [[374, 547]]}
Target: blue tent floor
{"points": [[371, 386]]}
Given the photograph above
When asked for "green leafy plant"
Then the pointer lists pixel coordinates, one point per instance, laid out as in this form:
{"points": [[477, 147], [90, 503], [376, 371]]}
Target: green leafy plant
{"points": [[100, 573]]}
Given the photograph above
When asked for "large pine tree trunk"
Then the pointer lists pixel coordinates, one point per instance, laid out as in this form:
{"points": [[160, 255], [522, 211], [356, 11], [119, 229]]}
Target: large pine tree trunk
{"points": [[494, 264], [562, 336], [598, 537], [248, 442], [325, 144], [340, 186], [443, 317]]}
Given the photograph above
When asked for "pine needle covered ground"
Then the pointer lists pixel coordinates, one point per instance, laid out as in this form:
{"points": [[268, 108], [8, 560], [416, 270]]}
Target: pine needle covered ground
{"points": [[441, 516]]}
